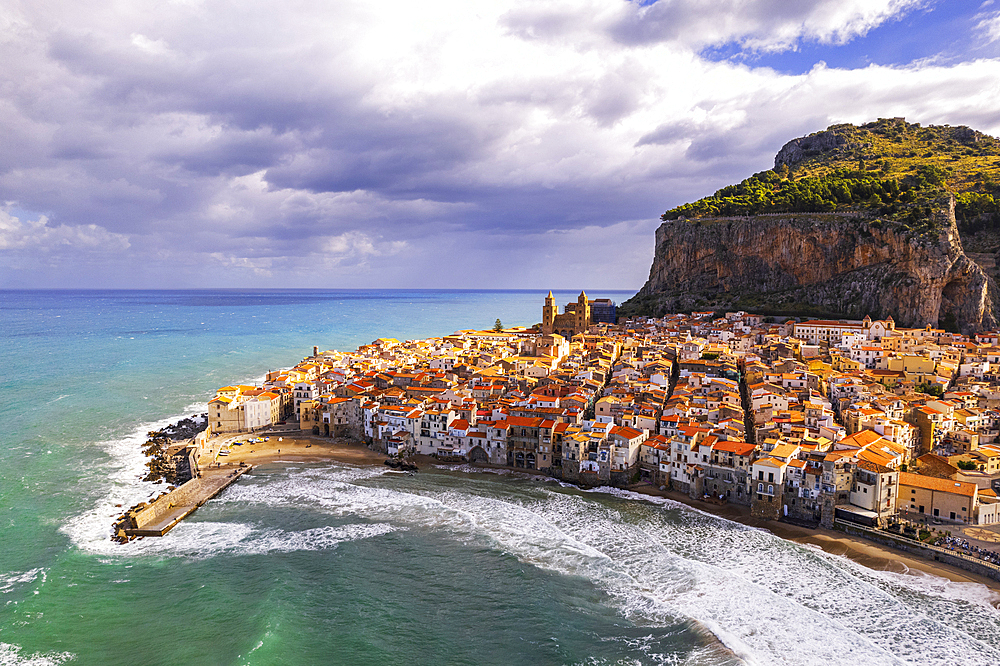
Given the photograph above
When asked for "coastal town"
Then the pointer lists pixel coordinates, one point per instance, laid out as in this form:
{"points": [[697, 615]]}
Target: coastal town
{"points": [[857, 425]]}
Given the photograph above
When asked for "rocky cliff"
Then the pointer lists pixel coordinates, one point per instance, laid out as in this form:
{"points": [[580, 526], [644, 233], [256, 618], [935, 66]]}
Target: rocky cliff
{"points": [[819, 264]]}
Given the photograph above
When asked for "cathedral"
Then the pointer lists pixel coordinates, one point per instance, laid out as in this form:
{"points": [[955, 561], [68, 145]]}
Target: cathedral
{"points": [[575, 318]]}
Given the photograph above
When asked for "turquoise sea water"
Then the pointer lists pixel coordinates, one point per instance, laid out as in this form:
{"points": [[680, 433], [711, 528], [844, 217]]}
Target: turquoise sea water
{"points": [[332, 564]]}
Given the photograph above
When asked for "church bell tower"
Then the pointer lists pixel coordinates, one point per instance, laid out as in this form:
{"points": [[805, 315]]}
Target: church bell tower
{"points": [[582, 313], [548, 314]]}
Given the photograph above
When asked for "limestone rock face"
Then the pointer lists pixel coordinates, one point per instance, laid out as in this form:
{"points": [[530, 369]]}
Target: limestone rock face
{"points": [[793, 151], [825, 264]]}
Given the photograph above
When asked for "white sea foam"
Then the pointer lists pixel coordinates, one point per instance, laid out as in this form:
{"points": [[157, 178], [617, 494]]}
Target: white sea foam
{"points": [[783, 601], [202, 540], [121, 481], [495, 471], [769, 600], [12, 580], [11, 655], [321, 538]]}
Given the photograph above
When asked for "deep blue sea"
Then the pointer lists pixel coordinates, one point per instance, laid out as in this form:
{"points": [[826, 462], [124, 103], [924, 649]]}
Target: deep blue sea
{"points": [[333, 564]]}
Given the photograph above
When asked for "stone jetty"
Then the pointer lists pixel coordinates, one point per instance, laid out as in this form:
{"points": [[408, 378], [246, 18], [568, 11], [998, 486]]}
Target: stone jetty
{"points": [[158, 517]]}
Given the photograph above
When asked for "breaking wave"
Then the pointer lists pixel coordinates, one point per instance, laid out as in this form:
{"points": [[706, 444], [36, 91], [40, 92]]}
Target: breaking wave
{"points": [[12, 655], [15, 579], [769, 600]]}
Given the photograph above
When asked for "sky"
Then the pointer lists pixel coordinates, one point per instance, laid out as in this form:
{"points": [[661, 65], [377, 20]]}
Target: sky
{"points": [[446, 144]]}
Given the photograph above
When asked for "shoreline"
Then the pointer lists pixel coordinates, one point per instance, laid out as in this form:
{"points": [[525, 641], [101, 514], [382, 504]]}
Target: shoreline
{"points": [[299, 447], [862, 551]]}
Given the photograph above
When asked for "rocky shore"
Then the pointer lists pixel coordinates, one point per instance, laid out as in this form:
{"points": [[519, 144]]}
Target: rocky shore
{"points": [[170, 461], [186, 428]]}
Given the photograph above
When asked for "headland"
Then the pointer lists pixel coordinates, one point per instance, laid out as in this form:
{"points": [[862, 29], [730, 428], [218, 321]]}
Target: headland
{"points": [[861, 220]]}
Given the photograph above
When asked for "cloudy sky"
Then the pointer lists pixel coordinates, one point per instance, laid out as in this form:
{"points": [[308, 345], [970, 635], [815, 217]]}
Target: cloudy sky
{"points": [[465, 143]]}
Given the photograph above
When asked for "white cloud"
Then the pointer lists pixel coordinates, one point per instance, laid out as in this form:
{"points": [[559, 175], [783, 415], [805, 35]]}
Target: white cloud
{"points": [[988, 25], [39, 236], [260, 266], [372, 140], [151, 46], [764, 25]]}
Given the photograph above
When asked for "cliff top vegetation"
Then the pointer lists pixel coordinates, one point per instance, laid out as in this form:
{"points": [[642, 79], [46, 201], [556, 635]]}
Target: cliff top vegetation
{"points": [[889, 168]]}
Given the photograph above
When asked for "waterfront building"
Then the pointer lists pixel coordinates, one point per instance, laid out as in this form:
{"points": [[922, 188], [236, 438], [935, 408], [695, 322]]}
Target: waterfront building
{"points": [[943, 499], [226, 414], [733, 408], [304, 390]]}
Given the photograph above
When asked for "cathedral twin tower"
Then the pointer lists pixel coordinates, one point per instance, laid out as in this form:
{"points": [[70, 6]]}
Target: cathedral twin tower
{"points": [[575, 318]]}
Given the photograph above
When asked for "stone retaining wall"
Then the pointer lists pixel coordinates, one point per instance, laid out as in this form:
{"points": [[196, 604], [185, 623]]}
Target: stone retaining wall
{"points": [[158, 507], [955, 559]]}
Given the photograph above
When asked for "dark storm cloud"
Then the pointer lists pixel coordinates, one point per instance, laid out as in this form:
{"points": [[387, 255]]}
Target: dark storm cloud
{"points": [[390, 154], [234, 152]]}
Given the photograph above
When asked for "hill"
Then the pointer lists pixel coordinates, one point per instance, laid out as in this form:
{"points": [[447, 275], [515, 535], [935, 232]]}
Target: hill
{"points": [[860, 220], [888, 168]]}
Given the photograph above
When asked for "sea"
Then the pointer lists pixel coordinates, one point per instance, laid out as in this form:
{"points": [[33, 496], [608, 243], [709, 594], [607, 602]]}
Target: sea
{"points": [[327, 563]]}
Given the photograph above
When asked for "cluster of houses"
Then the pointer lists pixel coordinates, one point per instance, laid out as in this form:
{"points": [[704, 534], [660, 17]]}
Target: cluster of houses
{"points": [[805, 421]]}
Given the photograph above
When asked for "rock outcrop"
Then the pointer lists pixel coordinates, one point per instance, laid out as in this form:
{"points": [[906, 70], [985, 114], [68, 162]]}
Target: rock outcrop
{"points": [[819, 264], [796, 150]]}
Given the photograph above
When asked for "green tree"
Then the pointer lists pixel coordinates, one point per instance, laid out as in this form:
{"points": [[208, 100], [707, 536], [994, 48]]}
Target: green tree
{"points": [[498, 326], [931, 389]]}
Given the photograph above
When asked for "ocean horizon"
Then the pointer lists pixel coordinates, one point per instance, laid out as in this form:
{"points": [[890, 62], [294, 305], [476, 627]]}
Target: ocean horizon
{"points": [[319, 563]]}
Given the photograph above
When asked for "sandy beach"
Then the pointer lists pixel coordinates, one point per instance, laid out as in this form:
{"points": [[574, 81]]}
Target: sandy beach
{"points": [[867, 553], [296, 446], [293, 446]]}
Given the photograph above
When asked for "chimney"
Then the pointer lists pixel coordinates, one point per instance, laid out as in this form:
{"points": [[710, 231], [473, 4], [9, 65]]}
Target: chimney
{"points": [[315, 351]]}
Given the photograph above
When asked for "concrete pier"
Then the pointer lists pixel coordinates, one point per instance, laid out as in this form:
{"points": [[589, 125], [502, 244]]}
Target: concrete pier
{"points": [[162, 514]]}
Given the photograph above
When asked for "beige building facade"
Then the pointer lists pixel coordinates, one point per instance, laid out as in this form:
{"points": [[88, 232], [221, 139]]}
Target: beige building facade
{"points": [[939, 498]]}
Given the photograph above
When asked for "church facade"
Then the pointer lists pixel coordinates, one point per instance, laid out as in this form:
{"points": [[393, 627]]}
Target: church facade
{"points": [[574, 319]]}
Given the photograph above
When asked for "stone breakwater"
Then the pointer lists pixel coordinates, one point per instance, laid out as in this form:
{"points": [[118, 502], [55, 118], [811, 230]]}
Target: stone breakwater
{"points": [[819, 264], [163, 513]]}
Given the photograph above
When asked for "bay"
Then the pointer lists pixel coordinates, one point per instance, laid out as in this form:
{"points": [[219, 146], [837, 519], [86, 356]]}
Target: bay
{"points": [[327, 563]]}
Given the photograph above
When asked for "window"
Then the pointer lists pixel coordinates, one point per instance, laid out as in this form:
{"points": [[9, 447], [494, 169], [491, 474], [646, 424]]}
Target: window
{"points": [[770, 490], [760, 487]]}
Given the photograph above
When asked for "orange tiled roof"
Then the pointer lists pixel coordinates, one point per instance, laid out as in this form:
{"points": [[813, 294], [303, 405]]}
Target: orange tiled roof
{"points": [[937, 485]]}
